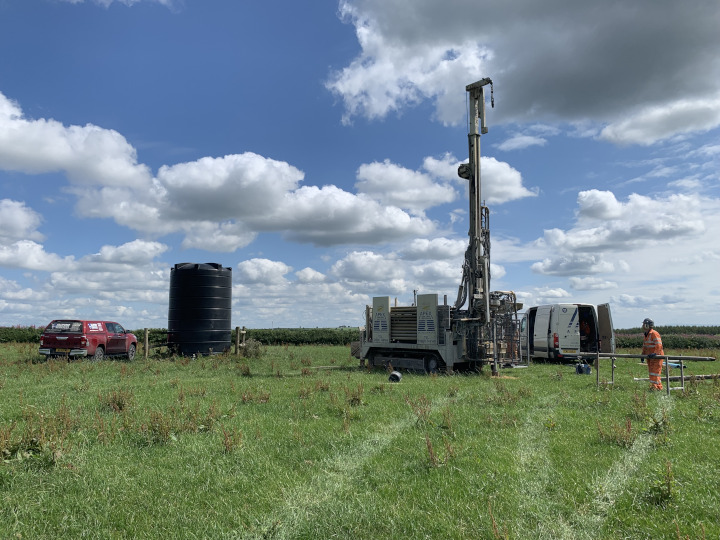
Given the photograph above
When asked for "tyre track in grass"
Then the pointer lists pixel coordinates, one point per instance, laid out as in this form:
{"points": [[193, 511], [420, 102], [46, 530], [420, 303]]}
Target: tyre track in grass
{"points": [[540, 518], [332, 479], [609, 487], [543, 518]]}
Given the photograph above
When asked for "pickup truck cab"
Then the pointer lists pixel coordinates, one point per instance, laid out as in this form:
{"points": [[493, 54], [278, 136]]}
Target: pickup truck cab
{"points": [[95, 339]]}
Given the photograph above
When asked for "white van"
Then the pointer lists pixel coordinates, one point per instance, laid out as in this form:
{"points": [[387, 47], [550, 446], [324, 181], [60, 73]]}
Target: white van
{"points": [[566, 331]]}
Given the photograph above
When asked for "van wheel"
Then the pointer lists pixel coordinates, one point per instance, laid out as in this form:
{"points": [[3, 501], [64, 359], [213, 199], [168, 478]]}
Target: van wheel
{"points": [[99, 354], [131, 352]]}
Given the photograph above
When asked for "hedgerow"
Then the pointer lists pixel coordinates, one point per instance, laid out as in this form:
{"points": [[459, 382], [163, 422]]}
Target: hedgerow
{"points": [[673, 337], [276, 336], [20, 334], [670, 341], [679, 330], [304, 336]]}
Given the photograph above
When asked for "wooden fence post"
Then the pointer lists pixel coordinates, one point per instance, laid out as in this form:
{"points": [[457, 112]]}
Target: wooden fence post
{"points": [[238, 343], [146, 343]]}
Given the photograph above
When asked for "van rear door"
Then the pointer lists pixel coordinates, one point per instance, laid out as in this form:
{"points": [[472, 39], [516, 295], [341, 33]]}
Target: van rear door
{"points": [[541, 332], [527, 329], [606, 334], [524, 350], [568, 329]]}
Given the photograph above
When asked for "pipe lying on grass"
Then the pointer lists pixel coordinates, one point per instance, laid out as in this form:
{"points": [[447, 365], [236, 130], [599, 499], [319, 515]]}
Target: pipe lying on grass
{"points": [[686, 377]]}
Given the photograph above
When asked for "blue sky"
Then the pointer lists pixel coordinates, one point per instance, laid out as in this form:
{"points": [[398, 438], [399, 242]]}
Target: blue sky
{"points": [[313, 148]]}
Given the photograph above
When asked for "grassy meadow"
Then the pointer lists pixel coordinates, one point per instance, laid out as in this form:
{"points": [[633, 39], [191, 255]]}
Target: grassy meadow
{"points": [[301, 443]]}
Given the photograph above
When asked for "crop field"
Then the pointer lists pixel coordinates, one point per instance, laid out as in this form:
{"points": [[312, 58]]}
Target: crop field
{"points": [[298, 442]]}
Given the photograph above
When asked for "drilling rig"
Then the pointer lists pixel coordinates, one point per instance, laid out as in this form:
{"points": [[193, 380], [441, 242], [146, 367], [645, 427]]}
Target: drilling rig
{"points": [[481, 327]]}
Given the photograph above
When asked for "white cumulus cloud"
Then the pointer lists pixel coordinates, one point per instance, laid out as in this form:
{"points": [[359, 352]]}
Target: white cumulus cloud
{"points": [[659, 122], [219, 204], [17, 221], [86, 154], [394, 185], [518, 142], [262, 271], [567, 62], [30, 255]]}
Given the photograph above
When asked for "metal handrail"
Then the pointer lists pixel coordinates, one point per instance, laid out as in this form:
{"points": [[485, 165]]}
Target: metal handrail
{"points": [[600, 355]]}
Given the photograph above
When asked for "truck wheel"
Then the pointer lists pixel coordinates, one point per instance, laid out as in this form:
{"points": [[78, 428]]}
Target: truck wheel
{"points": [[99, 354], [131, 352], [432, 365]]}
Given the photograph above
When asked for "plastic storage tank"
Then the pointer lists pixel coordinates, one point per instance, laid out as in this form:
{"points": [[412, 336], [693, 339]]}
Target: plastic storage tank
{"points": [[200, 306]]}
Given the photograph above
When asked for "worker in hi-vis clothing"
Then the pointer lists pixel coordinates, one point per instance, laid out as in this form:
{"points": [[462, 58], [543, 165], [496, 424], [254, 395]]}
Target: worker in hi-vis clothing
{"points": [[652, 347]]}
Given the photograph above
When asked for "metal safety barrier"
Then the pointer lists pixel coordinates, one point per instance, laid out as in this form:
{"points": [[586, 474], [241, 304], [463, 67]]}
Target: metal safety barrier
{"points": [[668, 378]]}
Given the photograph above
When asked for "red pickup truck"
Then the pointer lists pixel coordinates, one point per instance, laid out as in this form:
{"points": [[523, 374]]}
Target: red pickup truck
{"points": [[96, 339]]}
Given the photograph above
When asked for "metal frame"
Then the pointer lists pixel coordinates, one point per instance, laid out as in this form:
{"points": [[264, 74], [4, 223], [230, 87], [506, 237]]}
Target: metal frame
{"points": [[668, 378]]}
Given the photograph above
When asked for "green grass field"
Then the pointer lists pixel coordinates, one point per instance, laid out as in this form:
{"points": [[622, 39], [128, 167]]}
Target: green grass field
{"points": [[300, 443]]}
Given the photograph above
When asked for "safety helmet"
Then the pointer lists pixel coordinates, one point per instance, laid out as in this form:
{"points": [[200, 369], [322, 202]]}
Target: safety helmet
{"points": [[649, 322]]}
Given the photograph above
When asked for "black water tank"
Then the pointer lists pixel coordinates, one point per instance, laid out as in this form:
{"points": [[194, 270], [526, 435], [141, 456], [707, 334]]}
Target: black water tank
{"points": [[200, 306]]}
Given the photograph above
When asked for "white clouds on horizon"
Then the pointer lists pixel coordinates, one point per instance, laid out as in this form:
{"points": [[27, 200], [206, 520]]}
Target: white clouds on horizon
{"points": [[607, 226]]}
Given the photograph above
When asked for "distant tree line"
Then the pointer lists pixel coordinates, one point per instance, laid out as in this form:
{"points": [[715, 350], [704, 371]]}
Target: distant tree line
{"points": [[673, 337]]}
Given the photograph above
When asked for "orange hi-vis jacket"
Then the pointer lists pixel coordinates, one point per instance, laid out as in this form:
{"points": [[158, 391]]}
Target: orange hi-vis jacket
{"points": [[653, 345]]}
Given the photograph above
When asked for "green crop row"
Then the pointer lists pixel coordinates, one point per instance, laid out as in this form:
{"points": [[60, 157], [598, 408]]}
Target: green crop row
{"points": [[276, 336], [694, 330], [157, 336], [670, 341], [675, 337], [304, 336]]}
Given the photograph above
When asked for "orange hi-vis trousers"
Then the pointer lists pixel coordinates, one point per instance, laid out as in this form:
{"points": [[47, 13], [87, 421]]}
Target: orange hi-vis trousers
{"points": [[655, 366]]}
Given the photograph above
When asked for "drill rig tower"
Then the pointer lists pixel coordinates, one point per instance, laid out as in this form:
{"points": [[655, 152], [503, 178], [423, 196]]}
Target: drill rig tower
{"points": [[481, 327]]}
